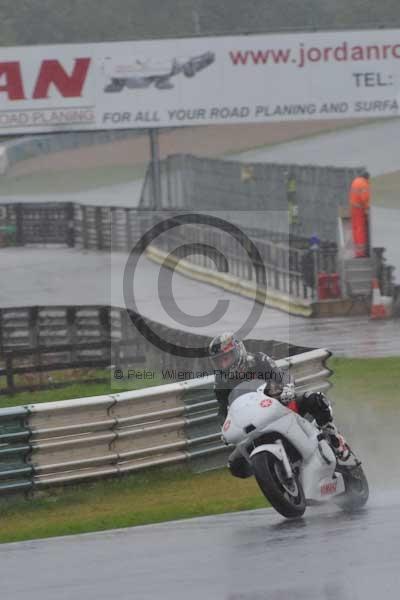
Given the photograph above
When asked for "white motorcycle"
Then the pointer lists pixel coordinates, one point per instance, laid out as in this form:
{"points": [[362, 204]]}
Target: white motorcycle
{"points": [[292, 461]]}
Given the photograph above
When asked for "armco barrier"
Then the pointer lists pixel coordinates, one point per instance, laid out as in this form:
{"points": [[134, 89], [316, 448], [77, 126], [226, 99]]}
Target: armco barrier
{"points": [[75, 440], [16, 474]]}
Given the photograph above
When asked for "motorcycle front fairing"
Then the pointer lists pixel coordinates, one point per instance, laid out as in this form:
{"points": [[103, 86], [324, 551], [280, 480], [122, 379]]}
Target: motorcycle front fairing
{"points": [[266, 415], [253, 414]]}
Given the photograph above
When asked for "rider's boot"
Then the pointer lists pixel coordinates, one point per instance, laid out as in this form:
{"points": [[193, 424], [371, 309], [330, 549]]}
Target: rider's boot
{"points": [[337, 441]]}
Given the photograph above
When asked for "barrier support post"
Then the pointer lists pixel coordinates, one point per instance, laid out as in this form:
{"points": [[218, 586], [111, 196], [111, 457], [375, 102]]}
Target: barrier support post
{"points": [[155, 168]]}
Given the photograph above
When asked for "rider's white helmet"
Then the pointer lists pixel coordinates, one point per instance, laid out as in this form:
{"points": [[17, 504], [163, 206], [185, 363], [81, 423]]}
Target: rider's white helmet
{"points": [[227, 352]]}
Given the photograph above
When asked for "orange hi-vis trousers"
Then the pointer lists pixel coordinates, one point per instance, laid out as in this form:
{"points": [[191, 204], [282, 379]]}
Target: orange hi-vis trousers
{"points": [[359, 225]]}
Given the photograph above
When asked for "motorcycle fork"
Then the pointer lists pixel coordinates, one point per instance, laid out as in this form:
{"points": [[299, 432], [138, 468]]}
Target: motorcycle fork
{"points": [[285, 460]]}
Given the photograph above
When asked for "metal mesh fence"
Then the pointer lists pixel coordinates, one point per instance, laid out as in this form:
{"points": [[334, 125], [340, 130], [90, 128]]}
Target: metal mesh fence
{"points": [[311, 195]]}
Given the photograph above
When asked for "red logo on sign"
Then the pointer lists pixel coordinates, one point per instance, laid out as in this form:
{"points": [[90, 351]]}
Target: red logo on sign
{"points": [[328, 488], [227, 424], [51, 74], [266, 403]]}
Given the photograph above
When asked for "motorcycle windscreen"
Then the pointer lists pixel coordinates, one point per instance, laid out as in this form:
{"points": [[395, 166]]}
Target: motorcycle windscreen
{"points": [[251, 385]]}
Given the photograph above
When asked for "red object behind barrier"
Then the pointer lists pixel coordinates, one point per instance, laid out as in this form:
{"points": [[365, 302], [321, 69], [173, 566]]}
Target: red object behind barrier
{"points": [[335, 286], [328, 286], [323, 286]]}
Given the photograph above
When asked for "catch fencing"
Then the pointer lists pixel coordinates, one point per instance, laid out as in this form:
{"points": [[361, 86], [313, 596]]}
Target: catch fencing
{"points": [[304, 197], [41, 223], [72, 225], [57, 443]]}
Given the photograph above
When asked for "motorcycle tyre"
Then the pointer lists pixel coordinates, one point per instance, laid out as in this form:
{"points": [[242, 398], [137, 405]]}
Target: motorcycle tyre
{"points": [[263, 466]]}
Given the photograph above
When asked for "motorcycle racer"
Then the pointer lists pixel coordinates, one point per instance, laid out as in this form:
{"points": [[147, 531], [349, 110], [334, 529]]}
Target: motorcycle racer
{"points": [[233, 364]]}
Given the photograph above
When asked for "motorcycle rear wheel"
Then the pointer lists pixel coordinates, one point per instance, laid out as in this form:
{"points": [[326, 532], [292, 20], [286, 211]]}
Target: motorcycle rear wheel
{"points": [[286, 497], [357, 490]]}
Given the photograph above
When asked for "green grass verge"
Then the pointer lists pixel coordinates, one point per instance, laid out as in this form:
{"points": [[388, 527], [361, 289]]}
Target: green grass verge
{"points": [[161, 495], [139, 499], [368, 381], [69, 181]]}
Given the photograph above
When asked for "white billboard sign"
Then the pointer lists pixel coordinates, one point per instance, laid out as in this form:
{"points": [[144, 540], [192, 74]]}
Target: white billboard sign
{"points": [[167, 83]]}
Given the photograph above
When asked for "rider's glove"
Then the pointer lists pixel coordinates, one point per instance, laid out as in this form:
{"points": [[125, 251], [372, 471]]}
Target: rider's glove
{"points": [[288, 393], [330, 429]]}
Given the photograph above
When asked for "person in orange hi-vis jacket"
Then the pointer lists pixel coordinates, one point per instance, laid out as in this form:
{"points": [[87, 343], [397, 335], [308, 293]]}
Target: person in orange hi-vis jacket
{"points": [[360, 195]]}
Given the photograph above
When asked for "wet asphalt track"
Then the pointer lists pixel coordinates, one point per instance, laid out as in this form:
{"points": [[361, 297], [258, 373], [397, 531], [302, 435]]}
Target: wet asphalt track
{"points": [[255, 555], [43, 276], [375, 146]]}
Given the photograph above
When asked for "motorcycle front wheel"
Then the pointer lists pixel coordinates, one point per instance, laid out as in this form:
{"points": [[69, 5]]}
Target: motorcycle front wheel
{"points": [[286, 496]]}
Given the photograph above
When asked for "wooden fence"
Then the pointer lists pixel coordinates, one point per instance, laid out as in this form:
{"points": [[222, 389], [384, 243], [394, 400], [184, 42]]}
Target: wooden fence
{"points": [[42, 339]]}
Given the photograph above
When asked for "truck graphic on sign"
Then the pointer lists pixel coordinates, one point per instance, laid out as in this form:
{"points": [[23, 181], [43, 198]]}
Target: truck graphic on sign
{"points": [[142, 73]]}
